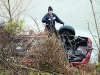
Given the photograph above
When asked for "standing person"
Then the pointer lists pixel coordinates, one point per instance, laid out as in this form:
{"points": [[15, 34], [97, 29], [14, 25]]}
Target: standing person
{"points": [[50, 19]]}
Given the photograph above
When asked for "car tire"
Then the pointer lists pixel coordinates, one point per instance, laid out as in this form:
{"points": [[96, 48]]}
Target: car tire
{"points": [[67, 29]]}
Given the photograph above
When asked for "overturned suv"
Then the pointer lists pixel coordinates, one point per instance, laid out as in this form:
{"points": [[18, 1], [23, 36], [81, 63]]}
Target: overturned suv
{"points": [[78, 48]]}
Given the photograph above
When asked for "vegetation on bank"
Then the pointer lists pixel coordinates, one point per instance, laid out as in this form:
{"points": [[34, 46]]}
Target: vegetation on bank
{"points": [[46, 57]]}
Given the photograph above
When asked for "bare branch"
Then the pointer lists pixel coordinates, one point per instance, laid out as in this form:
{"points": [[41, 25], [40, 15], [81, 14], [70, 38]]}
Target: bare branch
{"points": [[35, 22], [16, 7], [4, 4], [8, 66], [9, 10], [93, 36], [95, 21], [97, 2], [22, 10], [3, 16]]}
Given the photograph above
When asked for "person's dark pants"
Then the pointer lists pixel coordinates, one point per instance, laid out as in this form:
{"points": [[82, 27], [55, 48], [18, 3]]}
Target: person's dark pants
{"points": [[51, 29]]}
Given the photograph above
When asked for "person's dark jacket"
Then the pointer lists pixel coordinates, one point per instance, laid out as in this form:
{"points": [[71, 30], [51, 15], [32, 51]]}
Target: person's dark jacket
{"points": [[50, 20]]}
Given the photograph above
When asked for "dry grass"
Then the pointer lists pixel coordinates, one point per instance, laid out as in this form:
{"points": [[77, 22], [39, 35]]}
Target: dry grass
{"points": [[49, 55]]}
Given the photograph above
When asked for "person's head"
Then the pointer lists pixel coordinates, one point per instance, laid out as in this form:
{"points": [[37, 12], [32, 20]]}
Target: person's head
{"points": [[50, 10]]}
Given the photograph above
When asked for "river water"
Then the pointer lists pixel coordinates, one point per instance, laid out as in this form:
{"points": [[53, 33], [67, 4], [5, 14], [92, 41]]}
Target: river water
{"points": [[75, 13]]}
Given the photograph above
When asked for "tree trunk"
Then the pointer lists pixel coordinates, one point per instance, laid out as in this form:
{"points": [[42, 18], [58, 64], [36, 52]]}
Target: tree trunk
{"points": [[99, 55]]}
